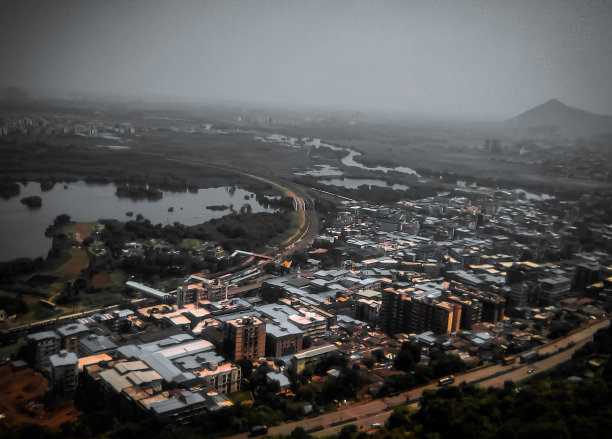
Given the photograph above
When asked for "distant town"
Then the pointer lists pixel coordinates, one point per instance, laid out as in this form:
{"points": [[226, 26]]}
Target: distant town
{"points": [[442, 285], [289, 282], [305, 219]]}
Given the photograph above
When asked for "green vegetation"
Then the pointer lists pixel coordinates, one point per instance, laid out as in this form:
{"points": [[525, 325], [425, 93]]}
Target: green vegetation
{"points": [[406, 360], [84, 269], [33, 201], [246, 231], [241, 397]]}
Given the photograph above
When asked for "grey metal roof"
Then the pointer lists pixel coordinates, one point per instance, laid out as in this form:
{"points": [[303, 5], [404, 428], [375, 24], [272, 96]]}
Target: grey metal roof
{"points": [[38, 336], [97, 343], [147, 290], [116, 381], [170, 405], [280, 378], [72, 329], [316, 351], [64, 359]]}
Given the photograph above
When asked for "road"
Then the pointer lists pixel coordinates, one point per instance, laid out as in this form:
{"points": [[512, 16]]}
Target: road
{"points": [[378, 411], [308, 225]]}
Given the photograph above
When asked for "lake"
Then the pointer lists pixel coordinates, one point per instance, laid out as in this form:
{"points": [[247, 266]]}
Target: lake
{"points": [[22, 230]]}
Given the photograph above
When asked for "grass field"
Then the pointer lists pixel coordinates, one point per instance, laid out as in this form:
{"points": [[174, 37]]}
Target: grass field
{"points": [[107, 279], [97, 300], [78, 261], [79, 231]]}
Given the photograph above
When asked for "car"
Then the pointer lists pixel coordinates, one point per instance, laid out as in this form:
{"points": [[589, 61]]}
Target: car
{"points": [[259, 430], [530, 370]]}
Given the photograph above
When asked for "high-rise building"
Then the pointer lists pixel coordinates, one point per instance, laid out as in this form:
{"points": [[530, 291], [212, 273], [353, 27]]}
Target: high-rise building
{"points": [[553, 289], [402, 313], [585, 275], [245, 337], [471, 310], [394, 311], [493, 305]]}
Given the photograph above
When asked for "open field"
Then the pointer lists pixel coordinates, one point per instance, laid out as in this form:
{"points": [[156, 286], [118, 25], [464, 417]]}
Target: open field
{"points": [[77, 262], [19, 401], [80, 231], [106, 279]]}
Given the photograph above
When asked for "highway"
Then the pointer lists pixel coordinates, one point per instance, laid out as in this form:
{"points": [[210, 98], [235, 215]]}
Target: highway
{"points": [[378, 411]]}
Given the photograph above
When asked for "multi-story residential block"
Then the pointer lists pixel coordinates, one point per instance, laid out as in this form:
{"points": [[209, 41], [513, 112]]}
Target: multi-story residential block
{"points": [[402, 313], [493, 305], [64, 372], [553, 289], [41, 345], [245, 337], [69, 336], [471, 310]]}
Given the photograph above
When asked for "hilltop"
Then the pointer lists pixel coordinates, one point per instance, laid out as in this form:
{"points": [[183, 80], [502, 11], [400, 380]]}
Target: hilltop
{"points": [[556, 118]]}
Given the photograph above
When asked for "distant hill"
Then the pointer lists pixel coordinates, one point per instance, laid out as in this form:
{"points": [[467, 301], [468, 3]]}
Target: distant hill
{"points": [[554, 118]]}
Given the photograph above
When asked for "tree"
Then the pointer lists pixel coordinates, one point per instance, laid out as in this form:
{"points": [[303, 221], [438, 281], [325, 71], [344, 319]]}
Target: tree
{"points": [[348, 431], [306, 342], [61, 220], [246, 367], [300, 433], [404, 361], [400, 417]]}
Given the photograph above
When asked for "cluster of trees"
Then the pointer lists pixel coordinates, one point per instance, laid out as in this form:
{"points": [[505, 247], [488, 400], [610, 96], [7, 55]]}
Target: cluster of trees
{"points": [[247, 231], [11, 270], [407, 359], [58, 224], [158, 264], [13, 305], [283, 202], [9, 189], [544, 409], [138, 192], [32, 201]]}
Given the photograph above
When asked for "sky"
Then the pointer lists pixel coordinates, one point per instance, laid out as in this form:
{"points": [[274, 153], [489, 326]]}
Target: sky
{"points": [[475, 59]]}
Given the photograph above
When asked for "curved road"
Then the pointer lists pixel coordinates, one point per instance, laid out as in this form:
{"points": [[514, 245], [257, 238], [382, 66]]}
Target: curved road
{"points": [[378, 411]]}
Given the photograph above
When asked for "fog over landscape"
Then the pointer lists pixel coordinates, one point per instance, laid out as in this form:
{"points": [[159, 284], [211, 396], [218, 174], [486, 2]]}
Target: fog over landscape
{"points": [[368, 219], [469, 59]]}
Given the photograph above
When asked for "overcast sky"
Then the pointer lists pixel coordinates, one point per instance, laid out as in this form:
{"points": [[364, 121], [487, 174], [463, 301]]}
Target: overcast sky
{"points": [[470, 58]]}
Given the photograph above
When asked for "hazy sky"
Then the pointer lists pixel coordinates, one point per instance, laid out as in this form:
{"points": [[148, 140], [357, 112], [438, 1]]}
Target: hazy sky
{"points": [[473, 58]]}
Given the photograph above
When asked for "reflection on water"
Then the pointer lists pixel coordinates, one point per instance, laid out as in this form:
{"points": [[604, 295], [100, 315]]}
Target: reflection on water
{"points": [[347, 160], [354, 183], [321, 171], [22, 229]]}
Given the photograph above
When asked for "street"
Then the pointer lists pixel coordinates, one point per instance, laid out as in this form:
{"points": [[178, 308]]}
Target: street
{"points": [[378, 411]]}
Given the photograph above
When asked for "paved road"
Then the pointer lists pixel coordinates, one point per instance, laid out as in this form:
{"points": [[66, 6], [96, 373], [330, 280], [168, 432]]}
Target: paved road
{"points": [[378, 410]]}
